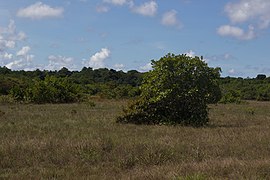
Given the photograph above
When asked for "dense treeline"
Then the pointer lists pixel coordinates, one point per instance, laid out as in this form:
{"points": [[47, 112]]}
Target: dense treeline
{"points": [[50, 86], [237, 89]]}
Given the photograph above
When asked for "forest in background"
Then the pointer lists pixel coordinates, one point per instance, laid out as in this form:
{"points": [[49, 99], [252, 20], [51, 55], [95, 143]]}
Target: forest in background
{"points": [[66, 86]]}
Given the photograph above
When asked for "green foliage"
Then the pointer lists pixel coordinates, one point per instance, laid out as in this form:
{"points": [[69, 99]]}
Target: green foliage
{"points": [[264, 93], [176, 91], [261, 76], [109, 83], [6, 99], [247, 89], [232, 96], [50, 90], [18, 93]]}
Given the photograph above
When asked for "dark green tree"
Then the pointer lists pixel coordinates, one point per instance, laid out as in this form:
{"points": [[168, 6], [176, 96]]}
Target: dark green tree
{"points": [[176, 91], [261, 76]]}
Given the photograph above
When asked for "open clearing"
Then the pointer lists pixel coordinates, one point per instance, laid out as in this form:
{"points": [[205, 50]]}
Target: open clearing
{"points": [[80, 141]]}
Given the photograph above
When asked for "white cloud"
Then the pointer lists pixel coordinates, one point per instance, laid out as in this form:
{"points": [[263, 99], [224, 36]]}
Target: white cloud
{"points": [[9, 44], [22, 63], [130, 3], [11, 27], [227, 56], [190, 53], [23, 51], [221, 57], [9, 37], [8, 41], [247, 10], [58, 62], [7, 56], [170, 19], [21, 36], [255, 13], [117, 2], [146, 67], [40, 11], [236, 32], [97, 60], [102, 9], [232, 72], [119, 67], [146, 9]]}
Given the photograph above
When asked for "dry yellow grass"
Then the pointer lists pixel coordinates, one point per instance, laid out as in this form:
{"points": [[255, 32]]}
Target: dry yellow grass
{"points": [[71, 141]]}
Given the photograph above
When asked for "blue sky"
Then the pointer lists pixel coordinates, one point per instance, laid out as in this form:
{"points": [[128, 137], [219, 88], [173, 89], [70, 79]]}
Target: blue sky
{"points": [[128, 34]]}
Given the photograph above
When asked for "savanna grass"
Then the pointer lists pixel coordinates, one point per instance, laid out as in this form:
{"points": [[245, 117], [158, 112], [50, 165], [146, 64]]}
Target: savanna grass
{"points": [[69, 141]]}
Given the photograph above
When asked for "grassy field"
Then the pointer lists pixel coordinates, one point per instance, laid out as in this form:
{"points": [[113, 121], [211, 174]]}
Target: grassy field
{"points": [[73, 141]]}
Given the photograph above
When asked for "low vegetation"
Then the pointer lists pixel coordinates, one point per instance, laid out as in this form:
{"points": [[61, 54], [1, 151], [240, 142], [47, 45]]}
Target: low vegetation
{"points": [[67, 141]]}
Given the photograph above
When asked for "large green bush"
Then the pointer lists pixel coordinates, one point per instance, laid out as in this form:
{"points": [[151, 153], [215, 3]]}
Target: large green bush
{"points": [[176, 91]]}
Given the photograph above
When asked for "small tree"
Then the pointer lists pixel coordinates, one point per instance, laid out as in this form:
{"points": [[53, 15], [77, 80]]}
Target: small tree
{"points": [[176, 91]]}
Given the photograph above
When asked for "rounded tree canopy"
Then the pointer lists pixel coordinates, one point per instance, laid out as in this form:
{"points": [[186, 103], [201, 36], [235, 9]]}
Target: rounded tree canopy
{"points": [[176, 91]]}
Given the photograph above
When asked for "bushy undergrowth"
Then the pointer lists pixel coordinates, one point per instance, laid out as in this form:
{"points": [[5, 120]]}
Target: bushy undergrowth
{"points": [[231, 96], [49, 90], [7, 99]]}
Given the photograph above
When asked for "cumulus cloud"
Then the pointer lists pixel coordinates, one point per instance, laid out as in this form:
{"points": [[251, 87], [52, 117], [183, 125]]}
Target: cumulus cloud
{"points": [[221, 57], [146, 9], [40, 11], [23, 51], [119, 67], [58, 62], [6, 44], [102, 9], [97, 60], [6, 55], [252, 13], [247, 10], [21, 36], [146, 67], [118, 2], [170, 19], [232, 72], [9, 36], [24, 62], [236, 32], [190, 53]]}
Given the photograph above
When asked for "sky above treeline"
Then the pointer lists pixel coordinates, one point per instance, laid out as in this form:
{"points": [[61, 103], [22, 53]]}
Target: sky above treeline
{"points": [[128, 34]]}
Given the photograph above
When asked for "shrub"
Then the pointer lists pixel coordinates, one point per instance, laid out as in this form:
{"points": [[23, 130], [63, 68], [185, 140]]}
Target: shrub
{"points": [[6, 99], [263, 93], [176, 91], [49, 90], [231, 96]]}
